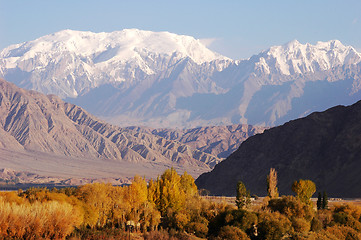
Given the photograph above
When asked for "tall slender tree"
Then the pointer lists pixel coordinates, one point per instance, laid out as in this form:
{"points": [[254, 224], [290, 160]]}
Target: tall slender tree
{"points": [[243, 197], [319, 201], [324, 200], [272, 184]]}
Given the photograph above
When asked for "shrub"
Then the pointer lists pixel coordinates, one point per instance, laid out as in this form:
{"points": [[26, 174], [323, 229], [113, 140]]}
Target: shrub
{"points": [[244, 220], [343, 232], [343, 218], [241, 219], [291, 207], [349, 209], [232, 233], [157, 235], [316, 225], [273, 225], [197, 228], [301, 225], [50, 220]]}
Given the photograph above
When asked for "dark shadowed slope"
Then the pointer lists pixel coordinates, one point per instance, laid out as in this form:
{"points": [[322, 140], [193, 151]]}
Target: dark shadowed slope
{"points": [[324, 147]]}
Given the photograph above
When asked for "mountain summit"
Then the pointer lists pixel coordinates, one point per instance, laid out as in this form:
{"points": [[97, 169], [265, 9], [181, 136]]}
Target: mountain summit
{"points": [[70, 62], [160, 79], [296, 58]]}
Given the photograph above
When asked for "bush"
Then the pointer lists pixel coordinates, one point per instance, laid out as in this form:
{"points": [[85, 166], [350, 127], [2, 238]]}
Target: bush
{"points": [[316, 225], [348, 215], [291, 207], [354, 211], [157, 235], [344, 232], [343, 218], [198, 229], [49, 220], [301, 225], [88, 233], [273, 225], [241, 219], [325, 217], [232, 233]]}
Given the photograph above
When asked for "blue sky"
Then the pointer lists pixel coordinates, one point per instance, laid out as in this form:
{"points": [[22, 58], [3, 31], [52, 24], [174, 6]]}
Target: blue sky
{"points": [[236, 29]]}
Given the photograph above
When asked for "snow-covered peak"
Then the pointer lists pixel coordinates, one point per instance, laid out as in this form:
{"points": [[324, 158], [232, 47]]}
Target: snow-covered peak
{"points": [[123, 45], [69, 63], [330, 44], [296, 58], [292, 44]]}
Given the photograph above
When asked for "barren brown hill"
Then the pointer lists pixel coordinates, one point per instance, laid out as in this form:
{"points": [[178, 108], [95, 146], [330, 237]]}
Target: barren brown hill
{"points": [[324, 147], [219, 141], [32, 123]]}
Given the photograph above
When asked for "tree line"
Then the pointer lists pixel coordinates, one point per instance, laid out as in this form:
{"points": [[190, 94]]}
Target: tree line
{"points": [[170, 207]]}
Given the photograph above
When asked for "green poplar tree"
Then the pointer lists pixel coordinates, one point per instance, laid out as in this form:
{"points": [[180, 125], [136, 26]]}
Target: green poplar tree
{"points": [[319, 201], [243, 197], [324, 201]]}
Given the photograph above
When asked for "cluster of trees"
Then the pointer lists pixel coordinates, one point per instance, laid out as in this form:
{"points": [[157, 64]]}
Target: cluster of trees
{"points": [[169, 202], [48, 220], [322, 201], [287, 217], [171, 208]]}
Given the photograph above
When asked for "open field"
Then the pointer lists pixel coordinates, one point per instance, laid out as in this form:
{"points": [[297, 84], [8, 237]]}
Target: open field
{"points": [[62, 167]]}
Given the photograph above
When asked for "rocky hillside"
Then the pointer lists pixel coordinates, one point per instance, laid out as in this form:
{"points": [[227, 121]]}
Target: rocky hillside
{"points": [[324, 147], [219, 141], [33, 122]]}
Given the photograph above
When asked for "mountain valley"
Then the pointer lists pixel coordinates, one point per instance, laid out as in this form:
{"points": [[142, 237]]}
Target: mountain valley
{"points": [[170, 102], [35, 124]]}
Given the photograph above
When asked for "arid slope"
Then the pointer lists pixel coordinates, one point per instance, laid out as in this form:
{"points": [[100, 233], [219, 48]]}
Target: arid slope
{"points": [[31, 122], [219, 141]]}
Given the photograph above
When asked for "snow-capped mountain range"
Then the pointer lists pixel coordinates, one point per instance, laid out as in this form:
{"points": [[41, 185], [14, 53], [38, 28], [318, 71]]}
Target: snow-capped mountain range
{"points": [[161, 79], [72, 62]]}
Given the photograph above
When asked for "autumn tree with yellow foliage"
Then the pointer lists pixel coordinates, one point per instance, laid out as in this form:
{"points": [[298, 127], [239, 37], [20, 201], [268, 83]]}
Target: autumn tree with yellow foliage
{"points": [[172, 203]]}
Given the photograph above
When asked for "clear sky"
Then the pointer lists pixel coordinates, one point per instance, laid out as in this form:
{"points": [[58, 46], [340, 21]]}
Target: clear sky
{"points": [[236, 29]]}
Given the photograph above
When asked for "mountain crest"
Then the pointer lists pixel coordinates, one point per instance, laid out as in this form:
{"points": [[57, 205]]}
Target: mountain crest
{"points": [[70, 62], [297, 58], [89, 44], [160, 79]]}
